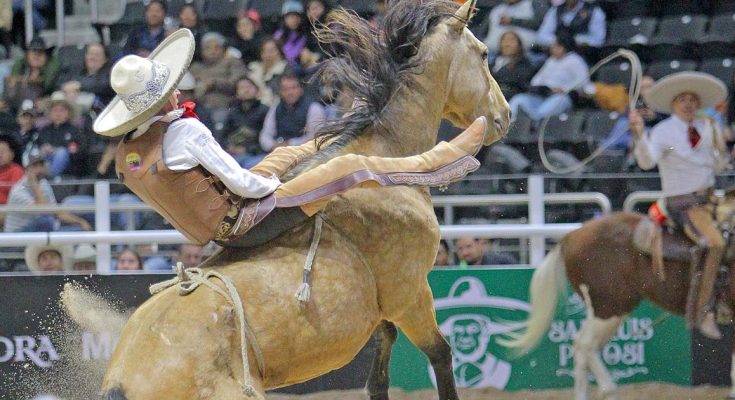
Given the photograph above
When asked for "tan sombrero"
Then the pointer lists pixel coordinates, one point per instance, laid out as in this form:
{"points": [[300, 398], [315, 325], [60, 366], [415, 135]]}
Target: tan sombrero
{"points": [[710, 90], [32, 253], [143, 85]]}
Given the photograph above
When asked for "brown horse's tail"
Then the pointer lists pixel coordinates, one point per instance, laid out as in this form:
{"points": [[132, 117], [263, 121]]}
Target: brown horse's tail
{"points": [[547, 284]]}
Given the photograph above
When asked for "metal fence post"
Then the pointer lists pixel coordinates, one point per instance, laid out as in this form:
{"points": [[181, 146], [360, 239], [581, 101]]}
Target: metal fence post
{"points": [[102, 224], [536, 217], [28, 20], [60, 28]]}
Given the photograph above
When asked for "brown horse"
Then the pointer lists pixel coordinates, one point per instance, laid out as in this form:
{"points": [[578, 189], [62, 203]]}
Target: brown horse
{"points": [[377, 245], [607, 269]]}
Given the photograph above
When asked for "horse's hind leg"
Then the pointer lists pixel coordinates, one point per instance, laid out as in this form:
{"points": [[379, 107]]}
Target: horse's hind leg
{"points": [[419, 325], [594, 334], [378, 380]]}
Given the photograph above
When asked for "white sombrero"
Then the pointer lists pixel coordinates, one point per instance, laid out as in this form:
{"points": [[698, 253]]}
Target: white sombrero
{"points": [[32, 253], [143, 85], [710, 90]]}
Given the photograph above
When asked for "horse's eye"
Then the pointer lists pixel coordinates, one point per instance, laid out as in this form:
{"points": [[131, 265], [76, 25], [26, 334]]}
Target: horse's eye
{"points": [[484, 55]]}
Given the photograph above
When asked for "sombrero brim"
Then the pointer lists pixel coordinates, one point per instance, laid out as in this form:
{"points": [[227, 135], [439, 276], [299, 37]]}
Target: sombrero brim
{"points": [[32, 253], [710, 90], [176, 51]]}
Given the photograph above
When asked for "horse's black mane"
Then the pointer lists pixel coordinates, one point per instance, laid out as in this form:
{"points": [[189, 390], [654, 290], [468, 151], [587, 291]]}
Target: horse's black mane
{"points": [[371, 63]]}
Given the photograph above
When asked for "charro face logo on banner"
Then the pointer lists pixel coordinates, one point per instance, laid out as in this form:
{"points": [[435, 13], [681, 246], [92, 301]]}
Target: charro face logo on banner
{"points": [[470, 322]]}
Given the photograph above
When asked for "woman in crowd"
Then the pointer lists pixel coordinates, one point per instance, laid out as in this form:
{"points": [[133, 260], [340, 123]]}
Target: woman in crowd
{"points": [[511, 68], [265, 72], [189, 19], [128, 260], [294, 31], [249, 36], [94, 77]]}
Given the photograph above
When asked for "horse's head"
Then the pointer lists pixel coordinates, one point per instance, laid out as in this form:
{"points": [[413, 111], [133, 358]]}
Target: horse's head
{"points": [[471, 90]]}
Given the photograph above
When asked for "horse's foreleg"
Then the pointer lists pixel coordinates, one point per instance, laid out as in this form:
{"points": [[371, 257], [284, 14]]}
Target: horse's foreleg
{"points": [[419, 324], [378, 380]]}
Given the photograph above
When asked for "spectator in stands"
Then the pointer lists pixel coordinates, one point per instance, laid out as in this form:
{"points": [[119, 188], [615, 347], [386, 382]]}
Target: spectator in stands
{"points": [[10, 169], [216, 74], [48, 258], [143, 39], [510, 16], [294, 31], [265, 72], [564, 71], [94, 77], [295, 118], [85, 258], [39, 21], [190, 255], [474, 252], [27, 130], [33, 188], [249, 36], [189, 19], [443, 255], [511, 68], [61, 142], [128, 260], [244, 122], [584, 20], [187, 93], [316, 13], [32, 76]]}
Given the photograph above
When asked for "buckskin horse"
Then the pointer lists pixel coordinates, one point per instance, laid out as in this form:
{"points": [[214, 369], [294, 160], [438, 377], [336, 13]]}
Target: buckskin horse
{"points": [[606, 265], [377, 246]]}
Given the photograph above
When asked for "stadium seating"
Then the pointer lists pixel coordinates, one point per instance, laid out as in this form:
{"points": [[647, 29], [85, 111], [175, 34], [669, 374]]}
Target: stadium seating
{"points": [[659, 69], [675, 37], [723, 68], [614, 73]]}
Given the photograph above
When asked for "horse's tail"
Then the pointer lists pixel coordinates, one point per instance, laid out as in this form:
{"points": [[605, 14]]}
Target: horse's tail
{"points": [[547, 284]]}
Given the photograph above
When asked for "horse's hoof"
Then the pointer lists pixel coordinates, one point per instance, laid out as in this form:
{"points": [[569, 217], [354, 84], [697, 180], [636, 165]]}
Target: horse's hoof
{"points": [[610, 394], [379, 396]]}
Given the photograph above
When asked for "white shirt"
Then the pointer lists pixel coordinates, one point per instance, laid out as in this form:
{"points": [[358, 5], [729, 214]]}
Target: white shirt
{"points": [[595, 36], [683, 169], [521, 10], [188, 143], [569, 72]]}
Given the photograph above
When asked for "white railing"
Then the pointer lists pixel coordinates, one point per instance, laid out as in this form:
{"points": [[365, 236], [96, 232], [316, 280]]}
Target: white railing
{"points": [[536, 230]]}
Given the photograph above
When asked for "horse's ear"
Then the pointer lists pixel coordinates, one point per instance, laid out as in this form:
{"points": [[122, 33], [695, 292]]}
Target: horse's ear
{"points": [[462, 16]]}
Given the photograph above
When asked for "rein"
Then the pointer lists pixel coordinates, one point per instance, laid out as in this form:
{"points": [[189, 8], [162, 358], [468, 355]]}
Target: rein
{"points": [[636, 74]]}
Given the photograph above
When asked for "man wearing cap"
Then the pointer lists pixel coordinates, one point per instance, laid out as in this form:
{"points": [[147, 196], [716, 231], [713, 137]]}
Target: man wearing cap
{"points": [[689, 151], [33, 188], [172, 162]]}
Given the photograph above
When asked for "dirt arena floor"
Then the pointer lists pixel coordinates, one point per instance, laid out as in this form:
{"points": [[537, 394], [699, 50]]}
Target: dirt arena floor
{"points": [[646, 391]]}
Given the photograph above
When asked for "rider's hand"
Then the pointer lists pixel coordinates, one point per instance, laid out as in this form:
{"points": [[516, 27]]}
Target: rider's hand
{"points": [[635, 122]]}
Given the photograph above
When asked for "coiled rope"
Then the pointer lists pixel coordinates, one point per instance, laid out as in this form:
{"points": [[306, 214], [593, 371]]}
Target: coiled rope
{"points": [[634, 91]]}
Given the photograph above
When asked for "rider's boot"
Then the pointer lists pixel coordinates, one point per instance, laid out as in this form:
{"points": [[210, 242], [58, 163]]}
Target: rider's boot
{"points": [[443, 164], [312, 190]]}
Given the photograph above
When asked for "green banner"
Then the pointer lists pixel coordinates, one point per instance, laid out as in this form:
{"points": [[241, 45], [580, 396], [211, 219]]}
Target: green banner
{"points": [[474, 307]]}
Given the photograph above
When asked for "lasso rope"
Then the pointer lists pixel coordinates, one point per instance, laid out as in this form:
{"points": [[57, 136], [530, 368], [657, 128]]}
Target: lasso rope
{"points": [[304, 291], [634, 90], [189, 279]]}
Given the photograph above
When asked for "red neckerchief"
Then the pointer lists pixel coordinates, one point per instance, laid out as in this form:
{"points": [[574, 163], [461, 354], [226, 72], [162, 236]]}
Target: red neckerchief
{"points": [[189, 107]]}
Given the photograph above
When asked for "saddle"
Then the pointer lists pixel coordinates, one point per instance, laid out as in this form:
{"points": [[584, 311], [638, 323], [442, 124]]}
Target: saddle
{"points": [[661, 244]]}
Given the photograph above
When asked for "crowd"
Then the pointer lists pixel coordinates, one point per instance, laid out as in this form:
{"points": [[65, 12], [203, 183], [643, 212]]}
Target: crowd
{"points": [[250, 82]]}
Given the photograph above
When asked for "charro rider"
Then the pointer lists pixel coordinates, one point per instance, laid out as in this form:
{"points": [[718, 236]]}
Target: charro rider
{"points": [[171, 161], [689, 151]]}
